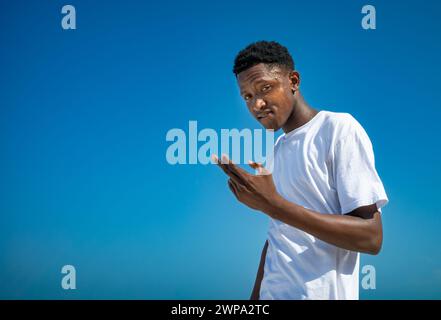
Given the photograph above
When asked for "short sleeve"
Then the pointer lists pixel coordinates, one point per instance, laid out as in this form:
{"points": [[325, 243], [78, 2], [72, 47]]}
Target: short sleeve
{"points": [[356, 178]]}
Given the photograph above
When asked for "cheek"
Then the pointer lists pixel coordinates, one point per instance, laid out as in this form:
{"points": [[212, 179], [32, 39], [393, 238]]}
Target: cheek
{"points": [[283, 102], [281, 96]]}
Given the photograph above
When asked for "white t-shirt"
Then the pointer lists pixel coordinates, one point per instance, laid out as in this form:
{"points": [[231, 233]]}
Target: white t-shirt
{"points": [[327, 165]]}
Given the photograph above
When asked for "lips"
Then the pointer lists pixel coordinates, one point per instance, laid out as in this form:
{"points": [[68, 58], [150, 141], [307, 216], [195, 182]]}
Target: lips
{"points": [[264, 114]]}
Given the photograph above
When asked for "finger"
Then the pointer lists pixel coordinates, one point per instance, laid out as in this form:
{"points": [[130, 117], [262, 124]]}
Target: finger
{"points": [[219, 164], [232, 188], [254, 165], [227, 169], [260, 169], [239, 187], [237, 171]]}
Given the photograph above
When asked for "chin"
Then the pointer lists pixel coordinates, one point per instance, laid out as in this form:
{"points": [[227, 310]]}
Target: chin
{"points": [[271, 126]]}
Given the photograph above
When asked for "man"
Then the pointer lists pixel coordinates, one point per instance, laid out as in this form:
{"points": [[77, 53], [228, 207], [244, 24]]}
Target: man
{"points": [[323, 195]]}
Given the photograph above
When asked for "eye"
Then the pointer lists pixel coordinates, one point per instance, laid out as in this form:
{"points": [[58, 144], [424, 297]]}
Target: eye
{"points": [[247, 97], [266, 87]]}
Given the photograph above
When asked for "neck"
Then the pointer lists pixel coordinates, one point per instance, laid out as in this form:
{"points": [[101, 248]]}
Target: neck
{"points": [[301, 114]]}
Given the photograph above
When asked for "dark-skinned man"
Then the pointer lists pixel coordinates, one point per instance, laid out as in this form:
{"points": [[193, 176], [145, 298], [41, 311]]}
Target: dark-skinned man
{"points": [[320, 189]]}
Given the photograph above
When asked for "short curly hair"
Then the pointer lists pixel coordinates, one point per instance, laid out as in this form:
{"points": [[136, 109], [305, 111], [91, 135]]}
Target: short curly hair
{"points": [[269, 52]]}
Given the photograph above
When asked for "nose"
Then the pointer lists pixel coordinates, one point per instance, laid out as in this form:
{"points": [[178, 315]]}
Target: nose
{"points": [[259, 105]]}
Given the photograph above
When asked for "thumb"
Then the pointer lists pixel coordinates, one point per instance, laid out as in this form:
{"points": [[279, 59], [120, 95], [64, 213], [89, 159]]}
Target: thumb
{"points": [[257, 166]]}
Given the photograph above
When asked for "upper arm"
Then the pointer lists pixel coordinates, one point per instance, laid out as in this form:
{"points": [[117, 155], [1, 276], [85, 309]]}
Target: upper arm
{"points": [[370, 215], [365, 212], [372, 218], [355, 177], [373, 225]]}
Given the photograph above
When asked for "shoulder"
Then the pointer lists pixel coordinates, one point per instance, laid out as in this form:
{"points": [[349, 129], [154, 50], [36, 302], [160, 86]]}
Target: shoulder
{"points": [[278, 143], [339, 121], [344, 132], [341, 124]]}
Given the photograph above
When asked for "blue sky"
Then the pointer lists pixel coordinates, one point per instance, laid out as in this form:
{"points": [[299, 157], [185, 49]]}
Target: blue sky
{"points": [[83, 119]]}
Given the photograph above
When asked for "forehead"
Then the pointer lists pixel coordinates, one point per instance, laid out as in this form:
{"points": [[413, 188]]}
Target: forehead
{"points": [[257, 73]]}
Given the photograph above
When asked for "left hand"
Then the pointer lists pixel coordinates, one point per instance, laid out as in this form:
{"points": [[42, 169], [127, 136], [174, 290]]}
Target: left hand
{"points": [[256, 191]]}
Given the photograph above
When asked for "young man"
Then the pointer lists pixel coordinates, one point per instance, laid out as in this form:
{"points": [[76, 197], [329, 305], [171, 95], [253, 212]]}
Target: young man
{"points": [[324, 194]]}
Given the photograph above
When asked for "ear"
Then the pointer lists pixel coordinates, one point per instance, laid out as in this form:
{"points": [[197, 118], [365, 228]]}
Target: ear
{"points": [[294, 80]]}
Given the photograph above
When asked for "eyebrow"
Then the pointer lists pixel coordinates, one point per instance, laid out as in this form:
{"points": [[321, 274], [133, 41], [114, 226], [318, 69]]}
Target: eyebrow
{"points": [[256, 82]]}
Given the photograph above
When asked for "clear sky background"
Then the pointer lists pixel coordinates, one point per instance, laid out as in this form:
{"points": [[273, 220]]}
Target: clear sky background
{"points": [[84, 114]]}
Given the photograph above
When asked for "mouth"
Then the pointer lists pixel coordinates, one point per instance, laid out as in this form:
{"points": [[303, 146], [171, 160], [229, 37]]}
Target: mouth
{"points": [[265, 114]]}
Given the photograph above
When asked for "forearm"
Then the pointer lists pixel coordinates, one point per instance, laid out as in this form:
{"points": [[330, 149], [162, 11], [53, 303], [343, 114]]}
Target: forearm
{"points": [[344, 231], [255, 295]]}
